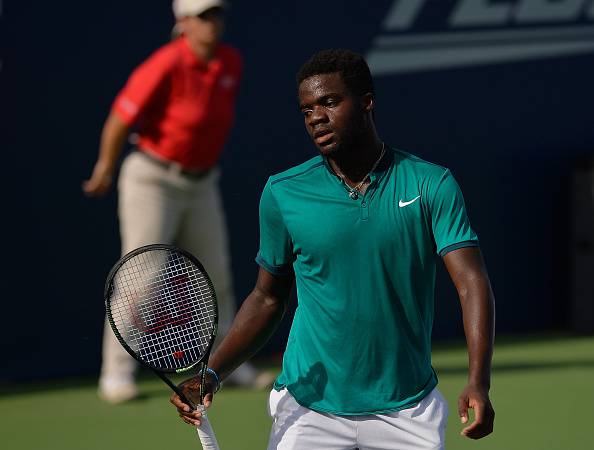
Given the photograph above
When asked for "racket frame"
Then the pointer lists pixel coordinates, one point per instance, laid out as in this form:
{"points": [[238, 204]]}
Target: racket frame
{"points": [[160, 372]]}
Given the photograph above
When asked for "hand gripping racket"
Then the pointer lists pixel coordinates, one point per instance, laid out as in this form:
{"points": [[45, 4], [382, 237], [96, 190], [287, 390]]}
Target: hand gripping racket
{"points": [[162, 307]]}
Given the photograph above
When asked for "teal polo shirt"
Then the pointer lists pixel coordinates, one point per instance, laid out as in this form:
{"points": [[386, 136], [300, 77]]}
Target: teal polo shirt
{"points": [[360, 342]]}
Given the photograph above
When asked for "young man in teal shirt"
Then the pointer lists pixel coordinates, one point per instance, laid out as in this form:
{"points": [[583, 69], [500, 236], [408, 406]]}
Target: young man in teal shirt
{"points": [[358, 229]]}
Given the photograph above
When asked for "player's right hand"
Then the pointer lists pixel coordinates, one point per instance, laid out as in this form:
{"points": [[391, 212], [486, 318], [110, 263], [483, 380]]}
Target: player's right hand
{"points": [[100, 181], [191, 389]]}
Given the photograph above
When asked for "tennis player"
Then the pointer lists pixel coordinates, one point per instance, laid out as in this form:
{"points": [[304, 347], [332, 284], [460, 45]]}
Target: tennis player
{"points": [[359, 229]]}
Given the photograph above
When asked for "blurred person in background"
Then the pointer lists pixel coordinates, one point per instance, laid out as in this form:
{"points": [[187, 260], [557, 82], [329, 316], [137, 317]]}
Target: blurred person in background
{"points": [[181, 101]]}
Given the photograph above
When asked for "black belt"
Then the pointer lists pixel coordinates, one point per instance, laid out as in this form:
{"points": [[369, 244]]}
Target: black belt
{"points": [[195, 174]]}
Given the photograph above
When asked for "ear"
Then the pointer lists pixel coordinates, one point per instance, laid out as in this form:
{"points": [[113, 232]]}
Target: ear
{"points": [[368, 102], [180, 25]]}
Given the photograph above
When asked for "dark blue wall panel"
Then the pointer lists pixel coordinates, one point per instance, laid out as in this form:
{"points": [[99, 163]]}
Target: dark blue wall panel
{"points": [[509, 132]]}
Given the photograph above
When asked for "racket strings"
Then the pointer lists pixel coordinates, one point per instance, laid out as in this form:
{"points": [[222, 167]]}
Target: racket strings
{"points": [[156, 346], [185, 309], [164, 308]]}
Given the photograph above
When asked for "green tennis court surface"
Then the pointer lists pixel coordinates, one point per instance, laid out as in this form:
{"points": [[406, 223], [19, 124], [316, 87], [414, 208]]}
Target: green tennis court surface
{"points": [[543, 393]]}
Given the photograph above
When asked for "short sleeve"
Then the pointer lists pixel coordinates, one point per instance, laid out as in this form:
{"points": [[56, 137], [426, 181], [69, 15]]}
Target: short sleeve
{"points": [[276, 249], [449, 220], [146, 83]]}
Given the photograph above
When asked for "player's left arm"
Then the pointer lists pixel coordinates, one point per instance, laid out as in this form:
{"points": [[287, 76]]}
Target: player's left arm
{"points": [[467, 270]]}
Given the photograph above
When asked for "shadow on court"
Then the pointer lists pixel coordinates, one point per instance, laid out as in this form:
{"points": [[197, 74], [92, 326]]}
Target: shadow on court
{"points": [[544, 361], [12, 388], [522, 366]]}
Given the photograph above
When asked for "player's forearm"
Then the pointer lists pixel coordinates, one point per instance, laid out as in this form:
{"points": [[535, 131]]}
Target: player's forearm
{"points": [[254, 323], [113, 137], [478, 309], [469, 274]]}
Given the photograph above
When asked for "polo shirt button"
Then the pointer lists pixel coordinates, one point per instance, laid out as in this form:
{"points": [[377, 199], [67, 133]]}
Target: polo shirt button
{"points": [[364, 205]]}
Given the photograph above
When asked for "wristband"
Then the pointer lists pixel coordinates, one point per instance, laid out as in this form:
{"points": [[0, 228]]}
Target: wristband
{"points": [[216, 377]]}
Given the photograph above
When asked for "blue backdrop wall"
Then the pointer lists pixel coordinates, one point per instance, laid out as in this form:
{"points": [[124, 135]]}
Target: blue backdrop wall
{"points": [[509, 128]]}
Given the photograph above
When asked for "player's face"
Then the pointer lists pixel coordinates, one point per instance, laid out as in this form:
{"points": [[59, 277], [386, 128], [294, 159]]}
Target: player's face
{"points": [[204, 29], [334, 117]]}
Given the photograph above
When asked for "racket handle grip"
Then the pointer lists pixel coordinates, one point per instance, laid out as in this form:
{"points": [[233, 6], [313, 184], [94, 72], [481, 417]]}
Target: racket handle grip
{"points": [[206, 433]]}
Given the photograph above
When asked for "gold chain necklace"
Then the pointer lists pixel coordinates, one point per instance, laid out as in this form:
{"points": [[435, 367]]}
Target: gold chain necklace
{"points": [[354, 192]]}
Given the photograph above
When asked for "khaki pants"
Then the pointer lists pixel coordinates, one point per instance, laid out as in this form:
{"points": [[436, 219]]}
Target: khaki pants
{"points": [[158, 205]]}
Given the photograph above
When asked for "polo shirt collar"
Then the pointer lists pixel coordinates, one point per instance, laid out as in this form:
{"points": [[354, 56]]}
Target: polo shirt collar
{"points": [[383, 166], [191, 59]]}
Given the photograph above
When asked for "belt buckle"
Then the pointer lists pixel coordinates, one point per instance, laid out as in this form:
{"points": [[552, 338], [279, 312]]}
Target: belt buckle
{"points": [[175, 168]]}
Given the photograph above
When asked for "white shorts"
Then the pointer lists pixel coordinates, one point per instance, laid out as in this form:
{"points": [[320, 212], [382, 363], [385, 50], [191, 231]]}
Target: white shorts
{"points": [[298, 428]]}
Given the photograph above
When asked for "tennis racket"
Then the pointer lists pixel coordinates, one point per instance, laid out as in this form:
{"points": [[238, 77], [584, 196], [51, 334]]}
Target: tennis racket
{"points": [[162, 307]]}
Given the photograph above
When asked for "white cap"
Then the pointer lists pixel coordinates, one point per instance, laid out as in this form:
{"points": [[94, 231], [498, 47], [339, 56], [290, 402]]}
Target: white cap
{"points": [[187, 8]]}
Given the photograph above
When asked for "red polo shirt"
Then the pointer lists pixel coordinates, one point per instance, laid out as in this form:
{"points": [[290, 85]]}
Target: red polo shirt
{"points": [[182, 106]]}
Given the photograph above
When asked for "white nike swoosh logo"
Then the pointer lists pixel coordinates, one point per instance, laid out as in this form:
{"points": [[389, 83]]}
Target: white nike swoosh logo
{"points": [[403, 204]]}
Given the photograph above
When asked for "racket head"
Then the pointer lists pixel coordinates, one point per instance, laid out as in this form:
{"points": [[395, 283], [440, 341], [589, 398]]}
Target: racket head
{"points": [[162, 308]]}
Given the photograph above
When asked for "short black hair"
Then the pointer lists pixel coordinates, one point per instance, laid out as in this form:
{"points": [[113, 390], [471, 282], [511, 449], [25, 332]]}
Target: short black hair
{"points": [[353, 69]]}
